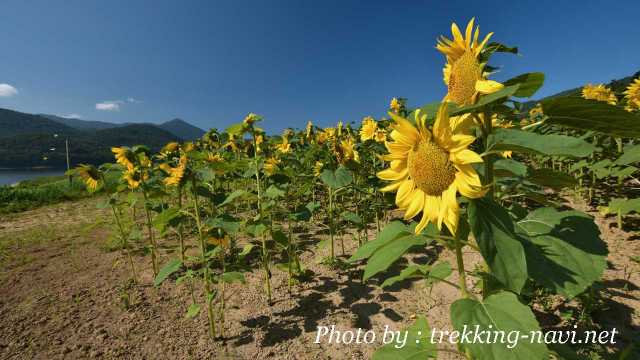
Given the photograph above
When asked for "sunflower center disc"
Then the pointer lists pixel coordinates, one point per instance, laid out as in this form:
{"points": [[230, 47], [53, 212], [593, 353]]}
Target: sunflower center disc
{"points": [[462, 81], [430, 168]]}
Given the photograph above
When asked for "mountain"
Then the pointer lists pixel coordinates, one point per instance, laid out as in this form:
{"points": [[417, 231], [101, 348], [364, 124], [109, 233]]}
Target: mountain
{"points": [[33, 150], [14, 123], [80, 124], [28, 140], [182, 129]]}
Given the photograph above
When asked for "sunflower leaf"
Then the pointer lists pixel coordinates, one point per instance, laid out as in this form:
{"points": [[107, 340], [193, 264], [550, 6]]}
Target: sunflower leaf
{"points": [[529, 84], [550, 144], [500, 311], [564, 250], [499, 245], [417, 344], [576, 112]]}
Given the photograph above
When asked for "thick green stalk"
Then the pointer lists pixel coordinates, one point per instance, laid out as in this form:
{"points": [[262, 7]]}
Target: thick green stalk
{"points": [[462, 278], [152, 241], [125, 246], [265, 254], [203, 258], [331, 222]]}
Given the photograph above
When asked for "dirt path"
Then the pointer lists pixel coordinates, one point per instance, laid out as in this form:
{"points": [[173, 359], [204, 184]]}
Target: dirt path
{"points": [[64, 296]]}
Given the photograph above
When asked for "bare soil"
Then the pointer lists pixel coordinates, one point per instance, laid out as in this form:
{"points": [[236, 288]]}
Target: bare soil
{"points": [[63, 296]]}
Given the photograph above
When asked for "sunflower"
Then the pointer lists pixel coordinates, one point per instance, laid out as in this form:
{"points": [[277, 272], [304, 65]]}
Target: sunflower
{"points": [[395, 105], [381, 136], [368, 128], [124, 156], [464, 74], [284, 147], [632, 94], [91, 176], [309, 130], [176, 174], [599, 92], [345, 151], [134, 178], [317, 168], [271, 165], [536, 112], [250, 119], [214, 157], [219, 241], [339, 128], [326, 135], [428, 168]]}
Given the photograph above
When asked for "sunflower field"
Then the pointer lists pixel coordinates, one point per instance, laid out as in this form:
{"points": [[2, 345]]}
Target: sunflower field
{"points": [[476, 171]]}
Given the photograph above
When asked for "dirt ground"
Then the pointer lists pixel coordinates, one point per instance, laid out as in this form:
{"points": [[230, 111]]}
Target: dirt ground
{"points": [[62, 296]]}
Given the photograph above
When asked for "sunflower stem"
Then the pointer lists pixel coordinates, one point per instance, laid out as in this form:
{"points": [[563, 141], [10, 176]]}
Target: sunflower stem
{"points": [[460, 263], [488, 161], [265, 255], [203, 258]]}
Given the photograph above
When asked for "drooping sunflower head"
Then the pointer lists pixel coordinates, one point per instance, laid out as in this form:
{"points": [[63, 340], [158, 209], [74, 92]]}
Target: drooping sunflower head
{"points": [[285, 146], [214, 157], [317, 168], [428, 168], [91, 176], [309, 130], [463, 73], [250, 119], [176, 174], [600, 93], [368, 128], [124, 156], [271, 165], [632, 94], [536, 112]]}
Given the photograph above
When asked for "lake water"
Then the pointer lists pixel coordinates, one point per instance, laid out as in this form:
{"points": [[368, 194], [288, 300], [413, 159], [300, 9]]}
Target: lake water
{"points": [[8, 177]]}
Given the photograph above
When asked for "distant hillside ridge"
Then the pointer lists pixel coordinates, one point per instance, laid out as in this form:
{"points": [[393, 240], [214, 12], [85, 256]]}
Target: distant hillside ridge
{"points": [[45, 150], [182, 129], [14, 123]]}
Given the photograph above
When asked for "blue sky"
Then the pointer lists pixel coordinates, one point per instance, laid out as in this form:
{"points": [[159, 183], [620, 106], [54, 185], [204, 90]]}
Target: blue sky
{"points": [[211, 62]]}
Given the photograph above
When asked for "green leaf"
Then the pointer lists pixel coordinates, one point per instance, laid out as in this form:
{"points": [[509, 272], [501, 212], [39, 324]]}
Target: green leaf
{"points": [[624, 206], [631, 154], [351, 217], [234, 195], [509, 167], [529, 84], [388, 233], [488, 99], [498, 312], [495, 235], [593, 115], [235, 129], [163, 219], [551, 178], [417, 346], [273, 192], [245, 251], [564, 250], [336, 179], [406, 273], [233, 276], [193, 311], [438, 272], [550, 144], [168, 269], [391, 252], [625, 172]]}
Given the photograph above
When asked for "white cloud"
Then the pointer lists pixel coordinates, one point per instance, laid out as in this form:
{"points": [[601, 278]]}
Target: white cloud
{"points": [[109, 105], [7, 90], [133, 101], [72, 116]]}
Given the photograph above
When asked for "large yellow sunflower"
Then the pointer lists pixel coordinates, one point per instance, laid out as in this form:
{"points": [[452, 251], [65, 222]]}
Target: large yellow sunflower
{"points": [[428, 168], [632, 94], [464, 74], [176, 174]]}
